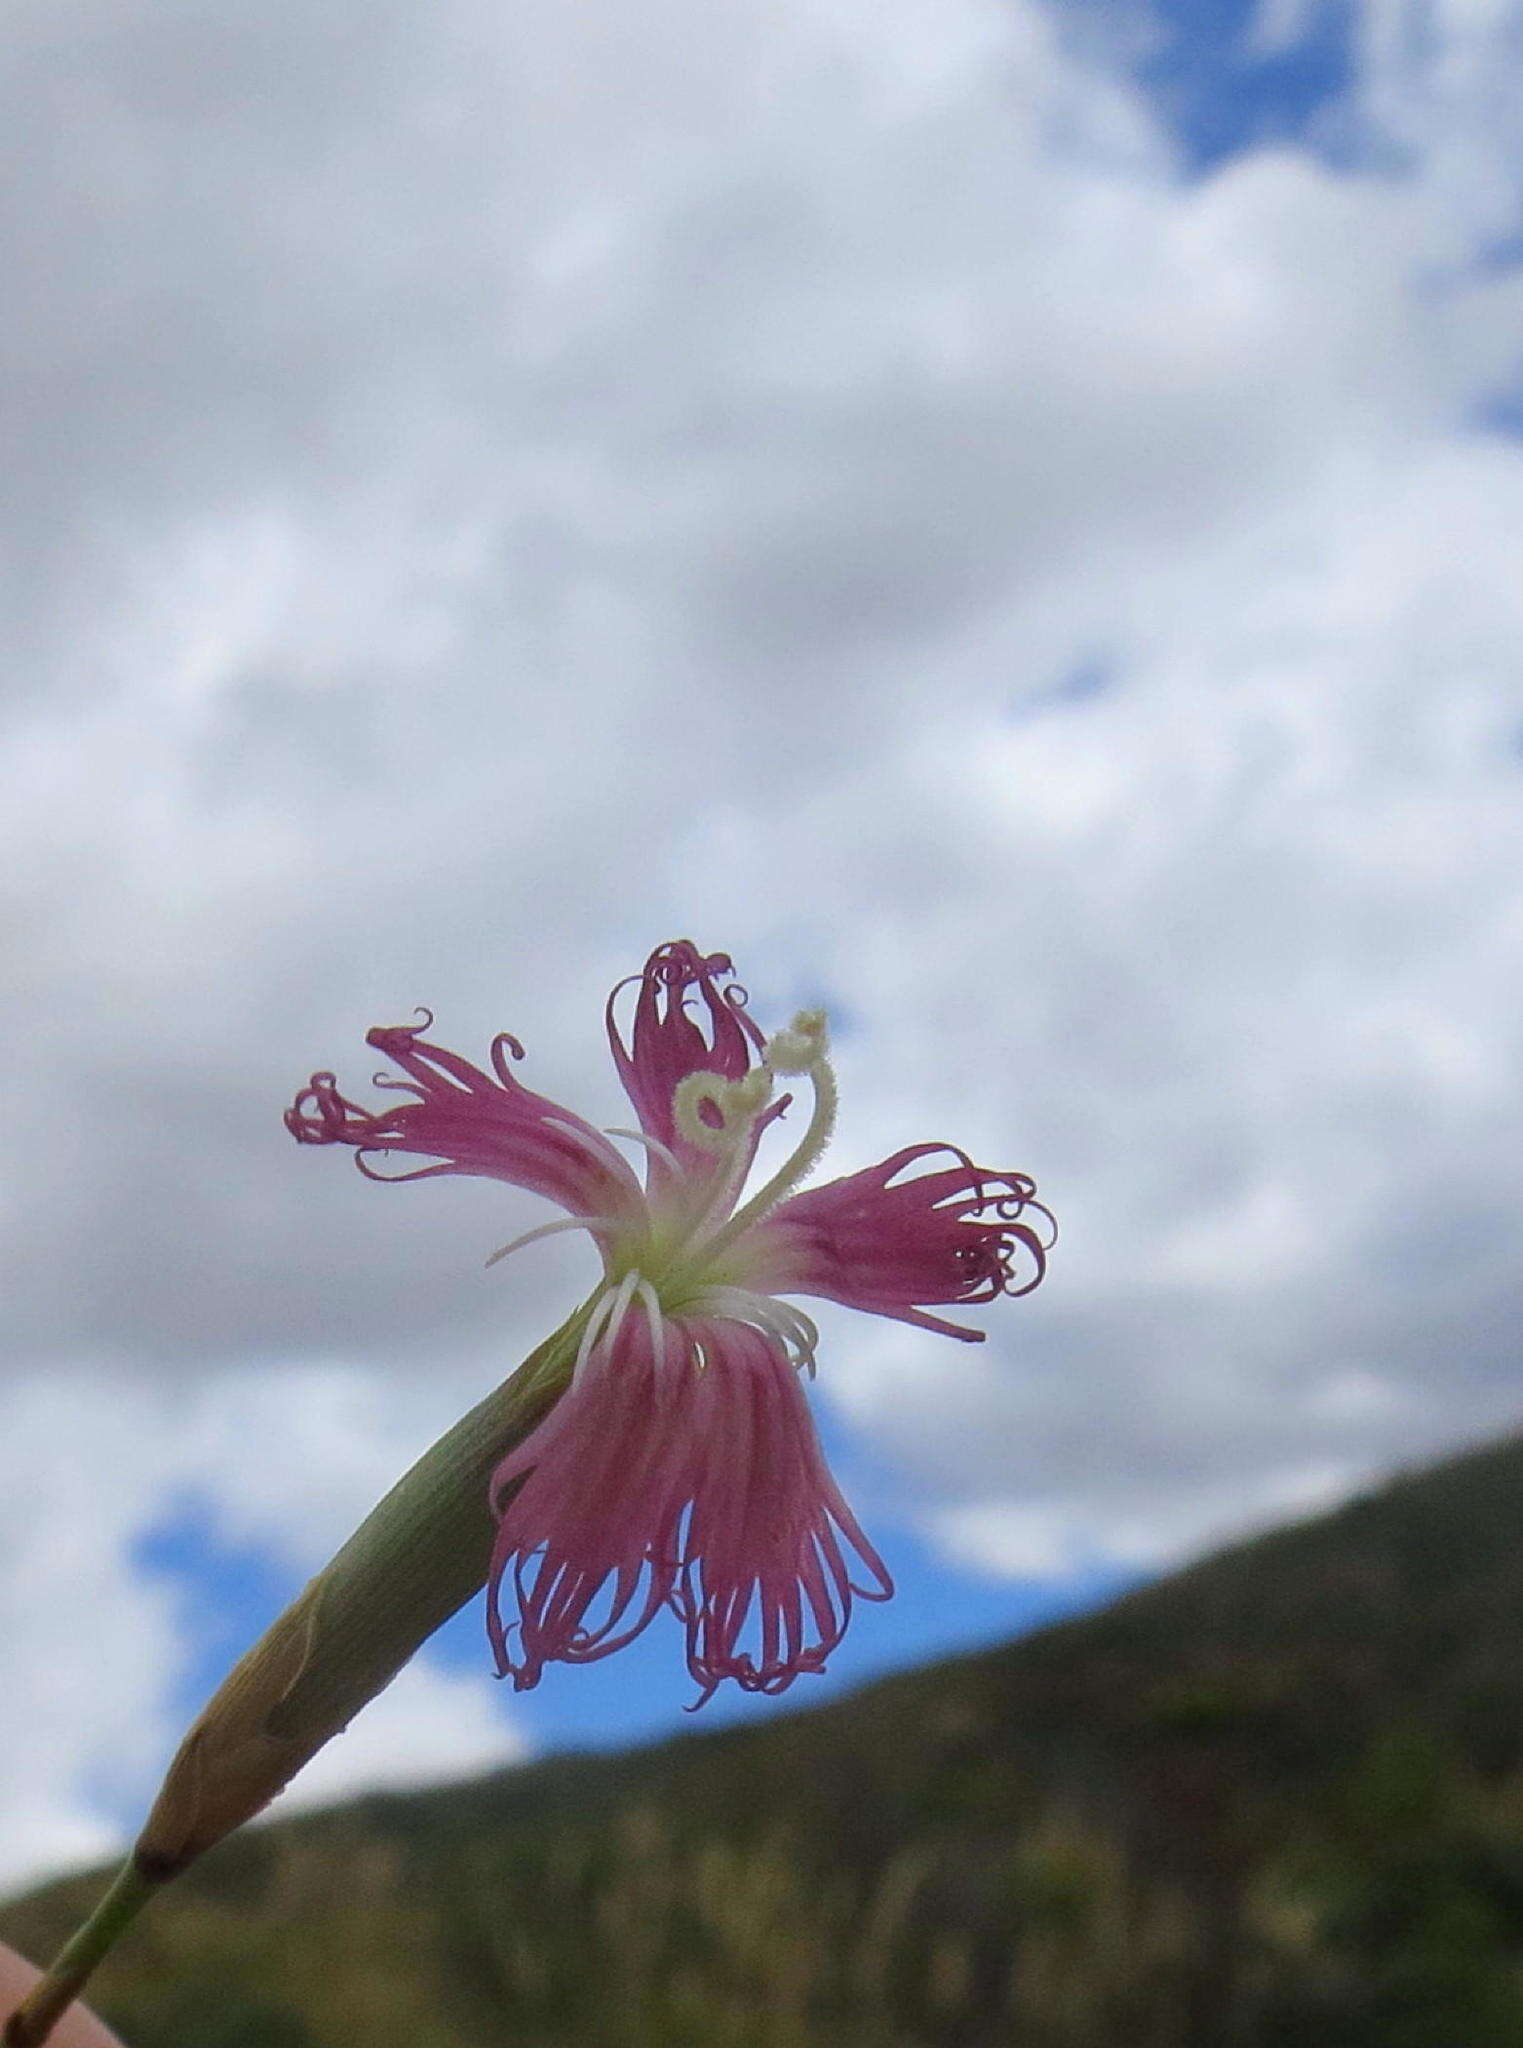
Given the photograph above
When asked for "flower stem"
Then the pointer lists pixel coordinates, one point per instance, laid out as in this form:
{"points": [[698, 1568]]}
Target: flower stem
{"points": [[417, 1557], [59, 1985]]}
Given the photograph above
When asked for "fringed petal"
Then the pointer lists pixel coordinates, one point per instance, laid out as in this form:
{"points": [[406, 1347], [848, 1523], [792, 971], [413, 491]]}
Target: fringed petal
{"points": [[470, 1122], [774, 1558], [686, 1474], [959, 1234]]}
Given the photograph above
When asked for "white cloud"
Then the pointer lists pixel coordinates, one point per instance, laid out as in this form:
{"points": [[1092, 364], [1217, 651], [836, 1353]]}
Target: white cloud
{"points": [[89, 1644], [427, 1727], [1024, 1539]]}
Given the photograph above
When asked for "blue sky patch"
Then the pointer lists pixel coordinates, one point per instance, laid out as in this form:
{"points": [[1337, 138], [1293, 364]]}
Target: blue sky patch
{"points": [[1219, 84], [1501, 413], [1089, 678], [230, 1592]]}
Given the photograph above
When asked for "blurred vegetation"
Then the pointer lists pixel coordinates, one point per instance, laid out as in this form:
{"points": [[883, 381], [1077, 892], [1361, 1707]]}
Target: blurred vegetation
{"points": [[1272, 1802]]}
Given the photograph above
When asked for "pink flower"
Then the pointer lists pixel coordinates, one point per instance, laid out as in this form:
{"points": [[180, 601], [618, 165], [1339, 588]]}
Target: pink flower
{"points": [[681, 1467]]}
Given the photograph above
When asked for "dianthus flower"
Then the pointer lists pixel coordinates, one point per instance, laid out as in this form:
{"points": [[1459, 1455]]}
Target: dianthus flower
{"points": [[680, 1468]]}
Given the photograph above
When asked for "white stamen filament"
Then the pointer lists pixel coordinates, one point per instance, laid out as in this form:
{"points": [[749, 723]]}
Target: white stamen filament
{"points": [[597, 1143], [654, 1320], [592, 1223], [600, 1307], [606, 1320], [797, 1333], [662, 1152]]}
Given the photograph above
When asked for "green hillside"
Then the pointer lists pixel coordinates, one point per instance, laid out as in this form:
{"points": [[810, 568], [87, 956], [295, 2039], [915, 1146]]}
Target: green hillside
{"points": [[1276, 1799]]}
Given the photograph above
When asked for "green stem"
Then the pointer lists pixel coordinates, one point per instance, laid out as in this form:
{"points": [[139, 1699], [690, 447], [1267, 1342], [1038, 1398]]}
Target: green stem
{"points": [[422, 1552], [413, 1561], [58, 1987]]}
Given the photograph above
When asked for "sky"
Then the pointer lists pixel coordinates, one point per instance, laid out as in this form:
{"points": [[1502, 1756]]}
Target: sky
{"points": [[1001, 517]]}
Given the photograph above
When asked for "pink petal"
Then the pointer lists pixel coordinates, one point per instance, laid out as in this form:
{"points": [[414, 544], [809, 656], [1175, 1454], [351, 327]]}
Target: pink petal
{"points": [[954, 1235], [694, 1481], [470, 1122], [667, 1043]]}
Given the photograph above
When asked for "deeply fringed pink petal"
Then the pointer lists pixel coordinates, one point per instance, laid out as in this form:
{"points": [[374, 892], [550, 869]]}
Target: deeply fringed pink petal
{"points": [[959, 1234], [687, 1475], [774, 1556], [667, 1043], [470, 1122]]}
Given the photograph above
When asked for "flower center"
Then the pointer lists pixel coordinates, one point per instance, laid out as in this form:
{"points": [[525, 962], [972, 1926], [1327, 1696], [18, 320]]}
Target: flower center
{"points": [[686, 1258], [679, 1263]]}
